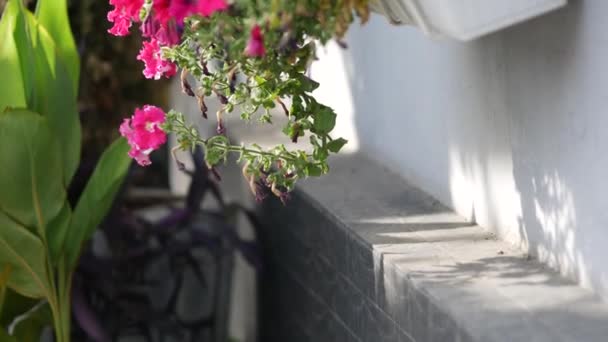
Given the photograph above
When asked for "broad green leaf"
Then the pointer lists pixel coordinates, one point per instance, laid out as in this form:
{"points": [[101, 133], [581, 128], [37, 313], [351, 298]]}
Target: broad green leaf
{"points": [[12, 91], [32, 193], [47, 84], [53, 95], [97, 197], [57, 230], [53, 16], [26, 254], [22, 37]]}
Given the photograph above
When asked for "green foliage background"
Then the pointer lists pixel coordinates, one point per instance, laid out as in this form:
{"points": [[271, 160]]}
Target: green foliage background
{"points": [[111, 83]]}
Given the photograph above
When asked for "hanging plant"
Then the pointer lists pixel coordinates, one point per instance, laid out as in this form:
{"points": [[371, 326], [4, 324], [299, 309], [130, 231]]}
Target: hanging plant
{"points": [[252, 56]]}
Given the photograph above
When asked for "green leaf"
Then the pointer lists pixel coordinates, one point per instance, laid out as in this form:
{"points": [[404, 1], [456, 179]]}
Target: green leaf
{"points": [[97, 197], [214, 156], [29, 317], [53, 16], [32, 193], [336, 145], [5, 337], [216, 149], [52, 92], [13, 306], [44, 79], [324, 121], [12, 92], [26, 254], [29, 328], [57, 230], [313, 170], [308, 85], [4, 276]]}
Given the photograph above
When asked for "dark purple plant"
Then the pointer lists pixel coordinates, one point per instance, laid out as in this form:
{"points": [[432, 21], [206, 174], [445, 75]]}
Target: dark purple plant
{"points": [[118, 294]]}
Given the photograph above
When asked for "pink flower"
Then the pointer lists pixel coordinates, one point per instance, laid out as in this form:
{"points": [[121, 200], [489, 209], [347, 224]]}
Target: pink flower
{"points": [[208, 7], [150, 27], [143, 133], [180, 9], [167, 35], [124, 12], [155, 65], [164, 30], [255, 45], [161, 10]]}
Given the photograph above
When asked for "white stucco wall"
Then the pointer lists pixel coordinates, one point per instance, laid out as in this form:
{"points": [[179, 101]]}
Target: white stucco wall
{"points": [[510, 130]]}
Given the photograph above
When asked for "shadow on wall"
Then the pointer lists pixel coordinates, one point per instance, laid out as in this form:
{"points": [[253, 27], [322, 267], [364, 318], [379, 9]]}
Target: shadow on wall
{"points": [[549, 144], [506, 129]]}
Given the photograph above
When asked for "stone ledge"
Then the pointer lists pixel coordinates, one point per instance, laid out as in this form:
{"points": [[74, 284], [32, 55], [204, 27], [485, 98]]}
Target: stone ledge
{"points": [[385, 262], [362, 255]]}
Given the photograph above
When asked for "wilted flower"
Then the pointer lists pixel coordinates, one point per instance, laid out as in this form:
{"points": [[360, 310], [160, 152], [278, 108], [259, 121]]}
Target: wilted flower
{"points": [[143, 133]]}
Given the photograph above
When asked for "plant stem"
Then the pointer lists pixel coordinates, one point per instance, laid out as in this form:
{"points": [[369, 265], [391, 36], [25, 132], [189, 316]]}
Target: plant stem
{"points": [[65, 285], [61, 309], [238, 148]]}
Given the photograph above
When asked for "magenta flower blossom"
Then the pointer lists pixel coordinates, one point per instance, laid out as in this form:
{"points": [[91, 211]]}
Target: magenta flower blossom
{"points": [[123, 14], [155, 65], [161, 10], [143, 133], [150, 27], [162, 28], [168, 35], [255, 45], [208, 7], [180, 9]]}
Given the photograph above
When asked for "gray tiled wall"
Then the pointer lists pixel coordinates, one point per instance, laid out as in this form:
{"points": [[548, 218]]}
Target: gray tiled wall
{"points": [[321, 283]]}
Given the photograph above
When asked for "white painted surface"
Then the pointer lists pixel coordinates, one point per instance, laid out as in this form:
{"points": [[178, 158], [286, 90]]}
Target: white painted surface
{"points": [[463, 19], [510, 130]]}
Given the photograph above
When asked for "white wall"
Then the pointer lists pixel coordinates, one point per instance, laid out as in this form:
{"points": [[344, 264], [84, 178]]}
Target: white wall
{"points": [[510, 130]]}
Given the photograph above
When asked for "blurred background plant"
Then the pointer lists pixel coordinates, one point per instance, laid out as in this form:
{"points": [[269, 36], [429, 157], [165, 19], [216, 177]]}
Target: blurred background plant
{"points": [[112, 85]]}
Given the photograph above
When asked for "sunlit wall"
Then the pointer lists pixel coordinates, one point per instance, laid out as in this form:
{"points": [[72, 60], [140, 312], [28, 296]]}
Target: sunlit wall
{"points": [[509, 130]]}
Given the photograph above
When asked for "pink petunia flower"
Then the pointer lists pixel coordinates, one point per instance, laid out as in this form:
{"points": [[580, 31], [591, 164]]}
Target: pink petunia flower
{"points": [[143, 133], [180, 9], [155, 65], [168, 35], [123, 14], [161, 10], [208, 7], [150, 27], [255, 45]]}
